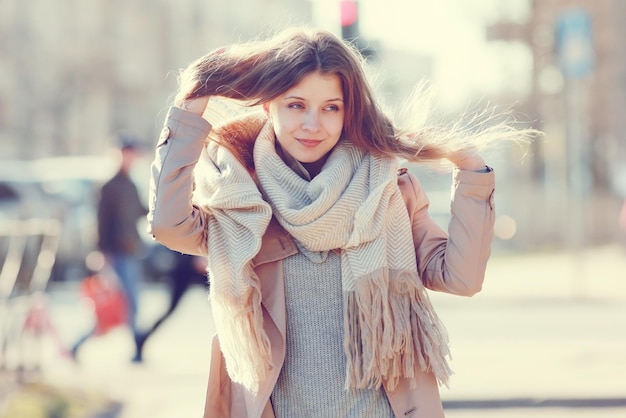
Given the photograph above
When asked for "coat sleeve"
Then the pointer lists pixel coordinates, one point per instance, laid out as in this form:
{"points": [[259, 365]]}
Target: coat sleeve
{"points": [[454, 261], [173, 220]]}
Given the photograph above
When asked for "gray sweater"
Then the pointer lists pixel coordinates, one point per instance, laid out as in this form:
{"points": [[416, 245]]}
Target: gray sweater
{"points": [[311, 382]]}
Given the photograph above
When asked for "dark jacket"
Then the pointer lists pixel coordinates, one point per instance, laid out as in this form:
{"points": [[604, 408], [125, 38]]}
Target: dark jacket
{"points": [[119, 209]]}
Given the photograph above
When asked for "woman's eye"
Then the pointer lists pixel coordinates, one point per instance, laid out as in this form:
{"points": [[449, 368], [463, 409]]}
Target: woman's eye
{"points": [[332, 108], [296, 106]]}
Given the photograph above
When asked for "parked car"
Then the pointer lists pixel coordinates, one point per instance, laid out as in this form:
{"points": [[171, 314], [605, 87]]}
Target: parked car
{"points": [[66, 188]]}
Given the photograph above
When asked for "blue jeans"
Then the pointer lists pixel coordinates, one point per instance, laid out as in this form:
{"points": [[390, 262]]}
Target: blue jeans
{"points": [[129, 272]]}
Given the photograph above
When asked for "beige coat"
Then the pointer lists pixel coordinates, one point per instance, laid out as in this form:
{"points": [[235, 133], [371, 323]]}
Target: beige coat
{"points": [[454, 265]]}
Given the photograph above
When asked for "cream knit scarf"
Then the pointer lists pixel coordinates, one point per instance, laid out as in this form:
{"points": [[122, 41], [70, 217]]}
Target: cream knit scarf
{"points": [[354, 205]]}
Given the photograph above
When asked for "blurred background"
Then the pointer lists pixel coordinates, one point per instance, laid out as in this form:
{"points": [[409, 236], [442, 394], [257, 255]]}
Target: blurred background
{"points": [[77, 74]]}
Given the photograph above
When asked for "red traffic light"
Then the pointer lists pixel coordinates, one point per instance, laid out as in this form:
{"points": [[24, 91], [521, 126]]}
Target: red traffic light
{"points": [[349, 12]]}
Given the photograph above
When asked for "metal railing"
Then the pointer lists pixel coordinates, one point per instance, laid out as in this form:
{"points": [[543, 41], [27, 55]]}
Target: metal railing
{"points": [[28, 251]]}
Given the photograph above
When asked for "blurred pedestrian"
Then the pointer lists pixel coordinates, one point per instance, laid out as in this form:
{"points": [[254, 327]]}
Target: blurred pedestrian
{"points": [[320, 247], [188, 270], [119, 210]]}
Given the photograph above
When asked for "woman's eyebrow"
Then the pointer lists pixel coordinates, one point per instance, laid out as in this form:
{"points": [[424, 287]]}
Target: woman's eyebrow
{"points": [[337, 99]]}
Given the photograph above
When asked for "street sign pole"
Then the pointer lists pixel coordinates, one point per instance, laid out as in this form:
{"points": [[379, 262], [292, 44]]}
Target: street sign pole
{"points": [[576, 58]]}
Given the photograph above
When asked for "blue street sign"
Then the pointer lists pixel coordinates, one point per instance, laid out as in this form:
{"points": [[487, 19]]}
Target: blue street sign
{"points": [[574, 43]]}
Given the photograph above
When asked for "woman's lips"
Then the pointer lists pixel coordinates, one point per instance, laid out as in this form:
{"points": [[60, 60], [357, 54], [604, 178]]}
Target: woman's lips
{"points": [[310, 142]]}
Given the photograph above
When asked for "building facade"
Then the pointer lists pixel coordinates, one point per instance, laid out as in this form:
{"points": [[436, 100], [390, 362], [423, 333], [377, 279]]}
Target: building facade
{"points": [[76, 73]]}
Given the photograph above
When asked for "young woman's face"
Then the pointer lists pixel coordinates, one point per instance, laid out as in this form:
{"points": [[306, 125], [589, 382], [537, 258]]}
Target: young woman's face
{"points": [[308, 118]]}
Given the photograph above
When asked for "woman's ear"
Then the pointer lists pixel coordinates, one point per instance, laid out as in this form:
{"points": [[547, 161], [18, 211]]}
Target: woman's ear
{"points": [[266, 108]]}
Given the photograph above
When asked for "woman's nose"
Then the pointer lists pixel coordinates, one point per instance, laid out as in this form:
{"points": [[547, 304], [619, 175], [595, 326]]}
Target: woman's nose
{"points": [[311, 121]]}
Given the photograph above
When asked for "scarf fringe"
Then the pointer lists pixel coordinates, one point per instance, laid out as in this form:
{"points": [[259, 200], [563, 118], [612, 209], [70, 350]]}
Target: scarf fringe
{"points": [[392, 331], [243, 341]]}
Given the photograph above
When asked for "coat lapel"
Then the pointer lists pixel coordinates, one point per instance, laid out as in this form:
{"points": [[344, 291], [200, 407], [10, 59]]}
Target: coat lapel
{"points": [[276, 246], [268, 266]]}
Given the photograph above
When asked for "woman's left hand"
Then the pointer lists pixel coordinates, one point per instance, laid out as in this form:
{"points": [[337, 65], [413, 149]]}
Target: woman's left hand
{"points": [[468, 160]]}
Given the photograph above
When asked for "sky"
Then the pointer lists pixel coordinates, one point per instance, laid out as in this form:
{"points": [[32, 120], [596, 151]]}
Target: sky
{"points": [[453, 33]]}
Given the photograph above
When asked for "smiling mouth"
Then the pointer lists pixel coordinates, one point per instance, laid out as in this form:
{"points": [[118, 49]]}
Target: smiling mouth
{"points": [[310, 142]]}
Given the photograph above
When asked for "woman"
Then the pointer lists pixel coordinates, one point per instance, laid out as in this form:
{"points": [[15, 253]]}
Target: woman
{"points": [[319, 246]]}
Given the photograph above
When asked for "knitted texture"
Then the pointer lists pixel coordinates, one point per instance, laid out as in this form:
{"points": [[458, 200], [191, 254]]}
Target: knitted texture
{"points": [[311, 382], [354, 204]]}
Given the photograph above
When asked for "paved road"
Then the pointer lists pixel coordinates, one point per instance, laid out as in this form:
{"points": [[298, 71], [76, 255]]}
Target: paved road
{"points": [[547, 329]]}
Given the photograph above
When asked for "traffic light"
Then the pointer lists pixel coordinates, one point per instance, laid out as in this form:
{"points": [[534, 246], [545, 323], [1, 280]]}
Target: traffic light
{"points": [[349, 14], [349, 20]]}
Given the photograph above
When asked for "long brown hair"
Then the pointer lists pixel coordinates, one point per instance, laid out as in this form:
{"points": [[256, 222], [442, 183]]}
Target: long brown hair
{"points": [[258, 71]]}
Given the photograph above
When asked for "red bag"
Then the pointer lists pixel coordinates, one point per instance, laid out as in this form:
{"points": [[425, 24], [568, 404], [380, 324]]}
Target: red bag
{"points": [[109, 302]]}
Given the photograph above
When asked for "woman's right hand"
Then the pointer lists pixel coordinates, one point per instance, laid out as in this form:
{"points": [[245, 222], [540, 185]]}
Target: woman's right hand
{"points": [[187, 85], [192, 94], [195, 105]]}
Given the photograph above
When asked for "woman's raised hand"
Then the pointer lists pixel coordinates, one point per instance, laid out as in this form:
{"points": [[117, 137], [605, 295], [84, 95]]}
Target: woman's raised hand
{"points": [[185, 97], [192, 92], [468, 160], [196, 105]]}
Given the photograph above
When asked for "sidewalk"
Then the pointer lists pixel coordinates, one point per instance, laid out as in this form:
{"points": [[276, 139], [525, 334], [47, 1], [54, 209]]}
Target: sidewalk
{"points": [[545, 337]]}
